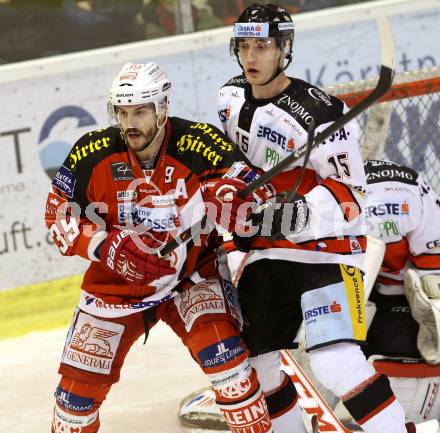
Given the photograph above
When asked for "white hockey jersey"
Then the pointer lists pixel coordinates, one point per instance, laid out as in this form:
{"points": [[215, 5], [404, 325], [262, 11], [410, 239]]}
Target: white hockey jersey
{"points": [[404, 212], [267, 131]]}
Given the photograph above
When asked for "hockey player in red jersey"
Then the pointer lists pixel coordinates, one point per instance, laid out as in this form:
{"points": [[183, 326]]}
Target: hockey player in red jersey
{"points": [[315, 272], [120, 194]]}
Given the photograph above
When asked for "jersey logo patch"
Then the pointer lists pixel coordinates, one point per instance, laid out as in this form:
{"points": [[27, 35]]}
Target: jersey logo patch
{"points": [[80, 153], [121, 171], [204, 298], [54, 201], [221, 353], [384, 173], [319, 95], [93, 344], [275, 137], [65, 181]]}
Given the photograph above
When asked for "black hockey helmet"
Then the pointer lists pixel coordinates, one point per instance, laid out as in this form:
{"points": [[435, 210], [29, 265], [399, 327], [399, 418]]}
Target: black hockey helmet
{"points": [[272, 21], [272, 14]]}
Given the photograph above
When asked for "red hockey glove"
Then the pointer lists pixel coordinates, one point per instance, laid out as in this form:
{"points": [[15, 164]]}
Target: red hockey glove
{"points": [[133, 257], [229, 210]]}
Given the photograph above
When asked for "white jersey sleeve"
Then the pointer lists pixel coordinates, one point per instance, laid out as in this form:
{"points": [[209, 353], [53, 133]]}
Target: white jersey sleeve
{"points": [[424, 238], [340, 197]]}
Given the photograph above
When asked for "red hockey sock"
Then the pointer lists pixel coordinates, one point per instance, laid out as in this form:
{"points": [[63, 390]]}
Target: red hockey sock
{"points": [[243, 406]]}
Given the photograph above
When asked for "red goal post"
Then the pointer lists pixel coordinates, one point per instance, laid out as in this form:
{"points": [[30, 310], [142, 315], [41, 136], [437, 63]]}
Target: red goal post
{"points": [[404, 126]]}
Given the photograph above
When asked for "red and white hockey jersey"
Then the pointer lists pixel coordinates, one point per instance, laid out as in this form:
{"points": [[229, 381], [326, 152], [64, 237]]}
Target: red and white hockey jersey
{"points": [[404, 212], [105, 187], [268, 131]]}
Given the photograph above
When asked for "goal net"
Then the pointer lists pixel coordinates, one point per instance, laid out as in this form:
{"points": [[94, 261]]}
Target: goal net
{"points": [[404, 126]]}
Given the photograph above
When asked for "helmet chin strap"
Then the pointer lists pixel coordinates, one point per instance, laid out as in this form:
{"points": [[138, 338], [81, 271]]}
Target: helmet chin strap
{"points": [[279, 70], [275, 75], [159, 128]]}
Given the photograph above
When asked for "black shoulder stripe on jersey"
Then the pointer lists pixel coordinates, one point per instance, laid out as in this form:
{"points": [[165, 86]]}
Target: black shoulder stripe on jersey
{"points": [[307, 103], [199, 146], [246, 115], [93, 147], [384, 171], [86, 153], [237, 81]]}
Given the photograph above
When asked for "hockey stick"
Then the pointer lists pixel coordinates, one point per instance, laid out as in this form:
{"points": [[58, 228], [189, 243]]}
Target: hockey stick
{"points": [[382, 86], [310, 399]]}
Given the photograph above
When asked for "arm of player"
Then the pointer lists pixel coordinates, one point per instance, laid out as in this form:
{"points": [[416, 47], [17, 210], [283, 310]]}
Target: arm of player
{"points": [[123, 252], [422, 284], [336, 204], [333, 207], [424, 238], [231, 211], [221, 183], [68, 215], [78, 230]]}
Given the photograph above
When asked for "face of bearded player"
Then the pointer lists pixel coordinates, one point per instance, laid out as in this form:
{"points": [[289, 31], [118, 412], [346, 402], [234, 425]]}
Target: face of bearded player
{"points": [[138, 124]]}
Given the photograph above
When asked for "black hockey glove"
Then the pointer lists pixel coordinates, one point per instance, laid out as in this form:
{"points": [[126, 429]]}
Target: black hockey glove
{"points": [[242, 243], [278, 218]]}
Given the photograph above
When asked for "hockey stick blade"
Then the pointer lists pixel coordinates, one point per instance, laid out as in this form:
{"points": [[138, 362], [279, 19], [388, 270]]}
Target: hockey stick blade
{"points": [[383, 85]]}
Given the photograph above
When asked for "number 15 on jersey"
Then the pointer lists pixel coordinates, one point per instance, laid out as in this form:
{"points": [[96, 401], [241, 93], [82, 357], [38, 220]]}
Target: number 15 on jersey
{"points": [[242, 140]]}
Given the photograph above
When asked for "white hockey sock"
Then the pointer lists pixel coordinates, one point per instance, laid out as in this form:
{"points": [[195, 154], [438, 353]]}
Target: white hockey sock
{"points": [[284, 409], [290, 421], [389, 420]]}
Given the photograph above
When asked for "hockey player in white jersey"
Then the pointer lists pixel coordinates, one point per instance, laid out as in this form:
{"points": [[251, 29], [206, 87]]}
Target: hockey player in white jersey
{"points": [[315, 272], [403, 338]]}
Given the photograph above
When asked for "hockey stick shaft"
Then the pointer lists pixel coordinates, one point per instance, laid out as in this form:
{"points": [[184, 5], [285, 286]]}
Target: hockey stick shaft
{"points": [[311, 391], [385, 80], [382, 86]]}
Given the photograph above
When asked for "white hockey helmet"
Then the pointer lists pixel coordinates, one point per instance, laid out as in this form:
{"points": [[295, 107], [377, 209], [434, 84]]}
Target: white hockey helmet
{"points": [[138, 83]]}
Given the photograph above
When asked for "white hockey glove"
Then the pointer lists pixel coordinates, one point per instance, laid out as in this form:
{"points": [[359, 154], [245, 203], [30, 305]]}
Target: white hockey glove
{"points": [[423, 295]]}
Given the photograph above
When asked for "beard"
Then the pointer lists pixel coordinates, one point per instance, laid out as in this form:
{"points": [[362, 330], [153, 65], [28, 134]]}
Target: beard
{"points": [[148, 138]]}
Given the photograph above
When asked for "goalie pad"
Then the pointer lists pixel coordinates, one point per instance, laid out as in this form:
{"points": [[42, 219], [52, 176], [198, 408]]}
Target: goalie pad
{"points": [[423, 295], [415, 383]]}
